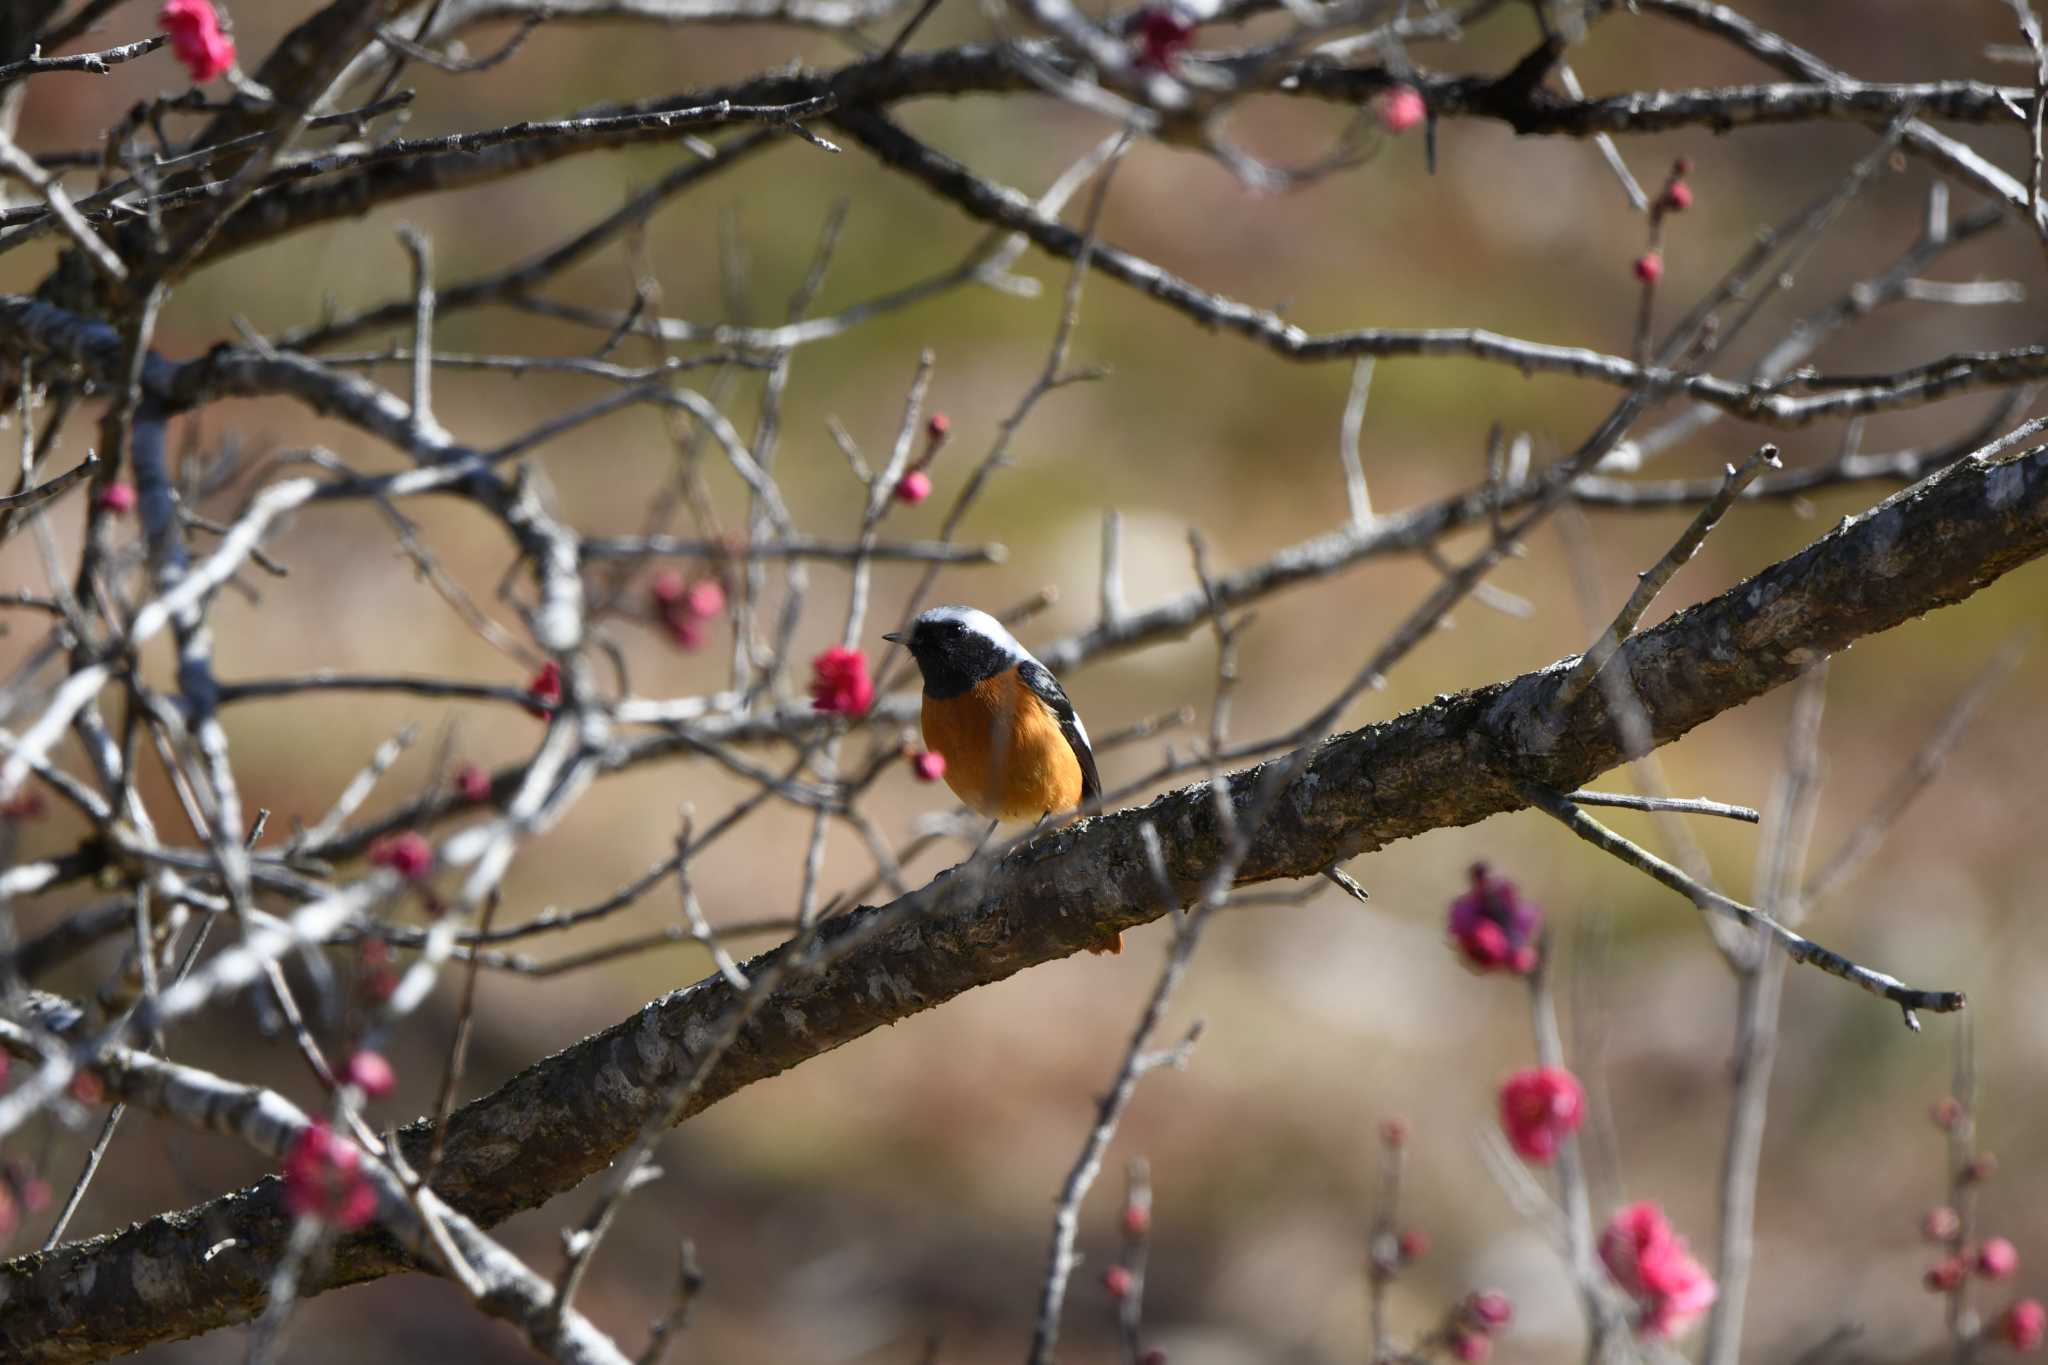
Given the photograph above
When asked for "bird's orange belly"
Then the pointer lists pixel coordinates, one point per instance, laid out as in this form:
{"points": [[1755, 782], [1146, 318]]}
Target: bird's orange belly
{"points": [[1006, 756]]}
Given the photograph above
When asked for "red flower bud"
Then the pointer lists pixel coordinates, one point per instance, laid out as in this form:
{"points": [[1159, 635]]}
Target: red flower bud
{"points": [[473, 782], [323, 1179], [23, 805], [1539, 1108], [1470, 1347], [1649, 267], [407, 853], [118, 498], [1943, 1276], [1117, 1280], [914, 487], [545, 689], [1162, 35]]}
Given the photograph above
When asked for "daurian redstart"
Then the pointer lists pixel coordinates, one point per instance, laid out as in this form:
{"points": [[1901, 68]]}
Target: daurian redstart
{"points": [[1015, 748]]}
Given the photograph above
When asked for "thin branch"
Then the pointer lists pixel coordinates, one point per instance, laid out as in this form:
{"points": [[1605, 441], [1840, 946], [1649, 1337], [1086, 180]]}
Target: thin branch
{"points": [[95, 63], [1652, 580], [1674, 805], [41, 493], [1796, 946]]}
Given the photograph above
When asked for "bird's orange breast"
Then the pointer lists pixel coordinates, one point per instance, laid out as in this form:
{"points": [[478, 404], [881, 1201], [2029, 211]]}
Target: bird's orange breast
{"points": [[1005, 753]]}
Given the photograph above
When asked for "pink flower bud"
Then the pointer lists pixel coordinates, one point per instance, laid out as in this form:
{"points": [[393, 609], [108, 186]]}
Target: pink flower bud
{"points": [[1679, 197], [929, 765], [370, 1073], [667, 587], [938, 428], [1413, 1243], [1981, 1169], [1492, 1307], [1941, 1224], [196, 38], [1650, 1261], [117, 499], [1401, 108], [914, 487], [1394, 1133], [1946, 1113], [2023, 1325], [1649, 267], [1117, 1280], [1137, 1221], [1997, 1258], [705, 598]]}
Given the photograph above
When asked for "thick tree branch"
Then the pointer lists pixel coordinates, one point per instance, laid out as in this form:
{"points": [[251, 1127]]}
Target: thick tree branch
{"points": [[1456, 761]]}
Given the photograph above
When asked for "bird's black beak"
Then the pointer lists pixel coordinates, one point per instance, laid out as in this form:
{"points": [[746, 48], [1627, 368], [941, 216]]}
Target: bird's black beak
{"points": [[892, 637]]}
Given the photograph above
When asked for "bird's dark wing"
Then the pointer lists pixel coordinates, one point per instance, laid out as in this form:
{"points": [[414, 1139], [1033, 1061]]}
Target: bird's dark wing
{"points": [[1047, 689]]}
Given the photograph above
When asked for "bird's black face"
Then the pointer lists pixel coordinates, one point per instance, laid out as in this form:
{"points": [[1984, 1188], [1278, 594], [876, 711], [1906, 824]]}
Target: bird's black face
{"points": [[952, 654]]}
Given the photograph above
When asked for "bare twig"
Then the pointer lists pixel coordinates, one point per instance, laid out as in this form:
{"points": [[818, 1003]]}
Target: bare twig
{"points": [[1797, 947], [1652, 580]]}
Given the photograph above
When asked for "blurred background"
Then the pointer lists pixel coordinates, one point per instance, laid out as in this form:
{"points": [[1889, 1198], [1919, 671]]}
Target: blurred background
{"points": [[900, 1190]]}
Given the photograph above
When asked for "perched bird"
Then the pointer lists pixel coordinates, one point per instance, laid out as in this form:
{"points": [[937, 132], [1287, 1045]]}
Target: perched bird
{"points": [[1015, 748], [1013, 745]]}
